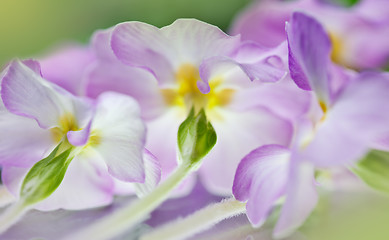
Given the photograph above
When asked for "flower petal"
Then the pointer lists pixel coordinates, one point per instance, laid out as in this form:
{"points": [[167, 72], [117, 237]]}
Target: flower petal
{"points": [[109, 74], [301, 198], [16, 145], [66, 66], [260, 178], [309, 51], [285, 98], [26, 94], [141, 45], [195, 40], [153, 174], [163, 51], [245, 131], [79, 138], [118, 134], [358, 119], [86, 184]]}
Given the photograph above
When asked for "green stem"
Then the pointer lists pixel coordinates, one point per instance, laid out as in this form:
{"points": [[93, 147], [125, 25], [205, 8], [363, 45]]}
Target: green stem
{"points": [[12, 214], [5, 196], [134, 213], [197, 222]]}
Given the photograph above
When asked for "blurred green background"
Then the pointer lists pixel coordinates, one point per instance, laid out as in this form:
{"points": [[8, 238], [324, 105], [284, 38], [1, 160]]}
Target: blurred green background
{"points": [[30, 27]]}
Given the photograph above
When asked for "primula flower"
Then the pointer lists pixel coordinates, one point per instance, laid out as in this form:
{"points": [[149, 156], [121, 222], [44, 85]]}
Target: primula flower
{"points": [[191, 63], [358, 34], [108, 137], [344, 123]]}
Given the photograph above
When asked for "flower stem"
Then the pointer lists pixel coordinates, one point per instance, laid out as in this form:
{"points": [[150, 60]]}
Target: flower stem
{"points": [[5, 196], [197, 222], [134, 213], [12, 214]]}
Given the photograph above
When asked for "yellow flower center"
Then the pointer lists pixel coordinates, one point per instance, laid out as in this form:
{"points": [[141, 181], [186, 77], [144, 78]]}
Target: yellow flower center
{"points": [[67, 122], [337, 48], [186, 93]]}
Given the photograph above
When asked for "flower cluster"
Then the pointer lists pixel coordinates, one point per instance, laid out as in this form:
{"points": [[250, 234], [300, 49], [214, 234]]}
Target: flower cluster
{"points": [[257, 116]]}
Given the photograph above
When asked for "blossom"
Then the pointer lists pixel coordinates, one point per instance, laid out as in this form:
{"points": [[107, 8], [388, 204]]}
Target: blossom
{"points": [[191, 63], [107, 136], [357, 33], [343, 124]]}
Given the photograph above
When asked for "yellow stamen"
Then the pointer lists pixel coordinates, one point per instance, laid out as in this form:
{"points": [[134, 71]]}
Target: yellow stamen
{"points": [[94, 139], [187, 94], [337, 48], [67, 122]]}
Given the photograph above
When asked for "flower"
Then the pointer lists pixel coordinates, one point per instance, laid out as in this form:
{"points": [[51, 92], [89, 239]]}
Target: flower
{"points": [[191, 63], [357, 33], [107, 137], [343, 124]]}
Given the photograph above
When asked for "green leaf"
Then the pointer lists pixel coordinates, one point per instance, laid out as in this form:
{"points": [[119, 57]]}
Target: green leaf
{"points": [[45, 176], [196, 137], [373, 169], [344, 3]]}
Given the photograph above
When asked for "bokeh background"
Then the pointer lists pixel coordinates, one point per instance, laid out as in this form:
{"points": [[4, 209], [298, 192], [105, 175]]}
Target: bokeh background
{"points": [[34, 27]]}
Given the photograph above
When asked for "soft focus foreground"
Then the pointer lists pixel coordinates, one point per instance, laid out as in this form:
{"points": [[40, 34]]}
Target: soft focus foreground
{"points": [[278, 128]]}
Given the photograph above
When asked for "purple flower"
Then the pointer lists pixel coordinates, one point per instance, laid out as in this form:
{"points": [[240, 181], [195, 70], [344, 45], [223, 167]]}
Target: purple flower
{"points": [[191, 63], [357, 34], [346, 119], [108, 136]]}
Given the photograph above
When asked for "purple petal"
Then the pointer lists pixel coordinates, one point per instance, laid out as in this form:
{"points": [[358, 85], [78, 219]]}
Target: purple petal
{"points": [[142, 45], [358, 118], [263, 71], [115, 76], [162, 51], [261, 178], [66, 66], [301, 198], [245, 131], [23, 142], [309, 50], [34, 65], [195, 40], [26, 94], [286, 99], [118, 134], [79, 138], [264, 21]]}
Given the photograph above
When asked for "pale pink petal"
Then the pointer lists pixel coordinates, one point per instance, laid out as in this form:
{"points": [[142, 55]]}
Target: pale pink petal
{"points": [[86, 184], [195, 40], [238, 133], [153, 174], [358, 118], [26, 94], [141, 45], [120, 136], [66, 65], [261, 178], [107, 73], [301, 198], [162, 138], [22, 141]]}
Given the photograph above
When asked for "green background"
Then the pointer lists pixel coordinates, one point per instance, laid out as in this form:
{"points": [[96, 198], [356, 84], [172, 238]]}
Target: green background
{"points": [[30, 27]]}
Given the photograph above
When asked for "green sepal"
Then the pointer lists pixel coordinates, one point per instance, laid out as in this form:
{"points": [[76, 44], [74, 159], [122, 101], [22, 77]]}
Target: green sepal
{"points": [[196, 137], [344, 3], [373, 169], [45, 176]]}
